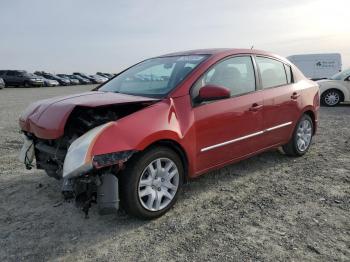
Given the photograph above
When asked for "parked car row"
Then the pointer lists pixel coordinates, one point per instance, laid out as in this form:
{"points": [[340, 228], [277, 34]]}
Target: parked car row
{"points": [[41, 78]]}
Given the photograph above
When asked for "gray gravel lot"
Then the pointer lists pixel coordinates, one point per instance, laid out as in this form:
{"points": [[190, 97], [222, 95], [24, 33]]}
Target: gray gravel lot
{"points": [[268, 208]]}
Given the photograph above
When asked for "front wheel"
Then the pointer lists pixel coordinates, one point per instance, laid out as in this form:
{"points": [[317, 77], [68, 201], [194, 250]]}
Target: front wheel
{"points": [[302, 137], [151, 182]]}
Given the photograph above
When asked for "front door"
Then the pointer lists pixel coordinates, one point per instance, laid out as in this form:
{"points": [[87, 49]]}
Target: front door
{"points": [[230, 128]]}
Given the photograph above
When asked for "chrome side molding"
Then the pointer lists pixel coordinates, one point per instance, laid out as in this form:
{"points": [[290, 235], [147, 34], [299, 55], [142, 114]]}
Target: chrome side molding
{"points": [[245, 137]]}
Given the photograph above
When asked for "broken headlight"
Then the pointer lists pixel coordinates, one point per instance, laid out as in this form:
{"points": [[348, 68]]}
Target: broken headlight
{"points": [[78, 159], [111, 159]]}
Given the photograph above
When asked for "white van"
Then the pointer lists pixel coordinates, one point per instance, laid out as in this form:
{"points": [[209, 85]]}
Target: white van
{"points": [[318, 66]]}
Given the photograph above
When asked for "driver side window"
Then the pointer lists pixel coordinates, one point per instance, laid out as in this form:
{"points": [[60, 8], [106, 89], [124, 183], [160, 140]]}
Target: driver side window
{"points": [[236, 74]]}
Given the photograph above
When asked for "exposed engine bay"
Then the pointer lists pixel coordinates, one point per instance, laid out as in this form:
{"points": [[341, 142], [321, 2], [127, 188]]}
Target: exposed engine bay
{"points": [[50, 156]]}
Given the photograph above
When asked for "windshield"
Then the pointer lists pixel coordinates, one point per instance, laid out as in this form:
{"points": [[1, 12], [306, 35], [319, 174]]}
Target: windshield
{"points": [[155, 77], [341, 75]]}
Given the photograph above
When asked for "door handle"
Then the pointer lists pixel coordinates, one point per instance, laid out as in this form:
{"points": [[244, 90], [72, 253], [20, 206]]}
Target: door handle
{"points": [[295, 96], [255, 107]]}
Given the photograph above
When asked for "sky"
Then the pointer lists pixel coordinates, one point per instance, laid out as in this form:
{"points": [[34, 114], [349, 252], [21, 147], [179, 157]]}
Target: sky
{"points": [[65, 36]]}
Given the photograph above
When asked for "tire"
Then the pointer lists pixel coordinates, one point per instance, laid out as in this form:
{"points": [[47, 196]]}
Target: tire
{"points": [[154, 184], [331, 97], [302, 133], [26, 85]]}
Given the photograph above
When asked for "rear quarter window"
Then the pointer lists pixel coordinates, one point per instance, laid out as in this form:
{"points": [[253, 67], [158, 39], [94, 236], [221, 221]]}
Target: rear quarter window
{"points": [[289, 74]]}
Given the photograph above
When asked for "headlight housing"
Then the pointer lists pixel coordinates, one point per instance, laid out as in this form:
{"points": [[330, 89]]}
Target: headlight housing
{"points": [[78, 159], [110, 159]]}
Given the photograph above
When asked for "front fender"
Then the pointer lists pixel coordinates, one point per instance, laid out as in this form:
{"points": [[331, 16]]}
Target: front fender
{"points": [[137, 131]]}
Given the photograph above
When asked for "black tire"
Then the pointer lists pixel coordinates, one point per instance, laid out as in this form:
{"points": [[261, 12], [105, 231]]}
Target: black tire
{"points": [[130, 177], [291, 148], [335, 93], [26, 85]]}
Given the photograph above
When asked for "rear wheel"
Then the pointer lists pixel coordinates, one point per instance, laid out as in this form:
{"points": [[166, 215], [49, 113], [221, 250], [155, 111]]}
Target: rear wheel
{"points": [[302, 137], [26, 84], [151, 182], [331, 97]]}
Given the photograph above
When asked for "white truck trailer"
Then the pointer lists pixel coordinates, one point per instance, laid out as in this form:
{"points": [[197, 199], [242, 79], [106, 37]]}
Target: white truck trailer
{"points": [[318, 66]]}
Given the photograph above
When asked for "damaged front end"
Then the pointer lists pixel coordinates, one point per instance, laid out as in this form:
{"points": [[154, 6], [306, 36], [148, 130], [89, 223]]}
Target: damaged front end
{"points": [[90, 178], [87, 177], [50, 154]]}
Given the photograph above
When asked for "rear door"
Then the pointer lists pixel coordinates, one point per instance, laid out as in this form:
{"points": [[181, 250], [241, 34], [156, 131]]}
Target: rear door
{"points": [[230, 128], [282, 100]]}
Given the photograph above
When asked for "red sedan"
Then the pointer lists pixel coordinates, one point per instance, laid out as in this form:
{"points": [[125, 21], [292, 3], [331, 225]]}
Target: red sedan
{"points": [[139, 136]]}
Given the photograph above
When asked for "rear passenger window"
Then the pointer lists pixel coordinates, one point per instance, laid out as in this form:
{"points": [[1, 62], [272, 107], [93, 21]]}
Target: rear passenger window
{"points": [[272, 72], [236, 74], [289, 73]]}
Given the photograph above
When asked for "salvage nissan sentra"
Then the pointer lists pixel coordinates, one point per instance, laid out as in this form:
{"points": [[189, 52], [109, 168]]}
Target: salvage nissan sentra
{"points": [[140, 135]]}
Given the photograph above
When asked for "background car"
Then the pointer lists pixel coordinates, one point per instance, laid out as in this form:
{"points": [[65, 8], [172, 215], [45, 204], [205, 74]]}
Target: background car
{"points": [[99, 79], [336, 89], [72, 81], [2, 83], [107, 75], [49, 82], [91, 79], [61, 81], [82, 80], [20, 78]]}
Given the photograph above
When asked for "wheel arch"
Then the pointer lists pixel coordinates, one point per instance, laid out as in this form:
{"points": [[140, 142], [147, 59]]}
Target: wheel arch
{"points": [[312, 115], [177, 148]]}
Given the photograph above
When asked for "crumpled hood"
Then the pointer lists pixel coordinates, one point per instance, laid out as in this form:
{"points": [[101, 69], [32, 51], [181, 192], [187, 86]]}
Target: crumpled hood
{"points": [[47, 118]]}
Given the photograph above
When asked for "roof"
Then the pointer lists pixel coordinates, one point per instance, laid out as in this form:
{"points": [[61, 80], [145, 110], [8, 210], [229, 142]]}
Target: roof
{"points": [[213, 51]]}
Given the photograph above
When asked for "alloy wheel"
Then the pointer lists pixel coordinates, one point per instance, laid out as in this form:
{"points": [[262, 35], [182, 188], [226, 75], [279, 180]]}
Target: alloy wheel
{"points": [[304, 134], [158, 184], [332, 98]]}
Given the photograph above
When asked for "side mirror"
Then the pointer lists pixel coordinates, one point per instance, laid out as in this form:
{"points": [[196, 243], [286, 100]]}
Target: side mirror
{"points": [[213, 92]]}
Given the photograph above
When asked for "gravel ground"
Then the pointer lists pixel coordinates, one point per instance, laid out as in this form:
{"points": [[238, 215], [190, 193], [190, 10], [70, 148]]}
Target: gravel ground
{"points": [[270, 207]]}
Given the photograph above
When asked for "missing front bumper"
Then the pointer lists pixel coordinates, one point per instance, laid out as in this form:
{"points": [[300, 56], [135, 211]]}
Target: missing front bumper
{"points": [[101, 189]]}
